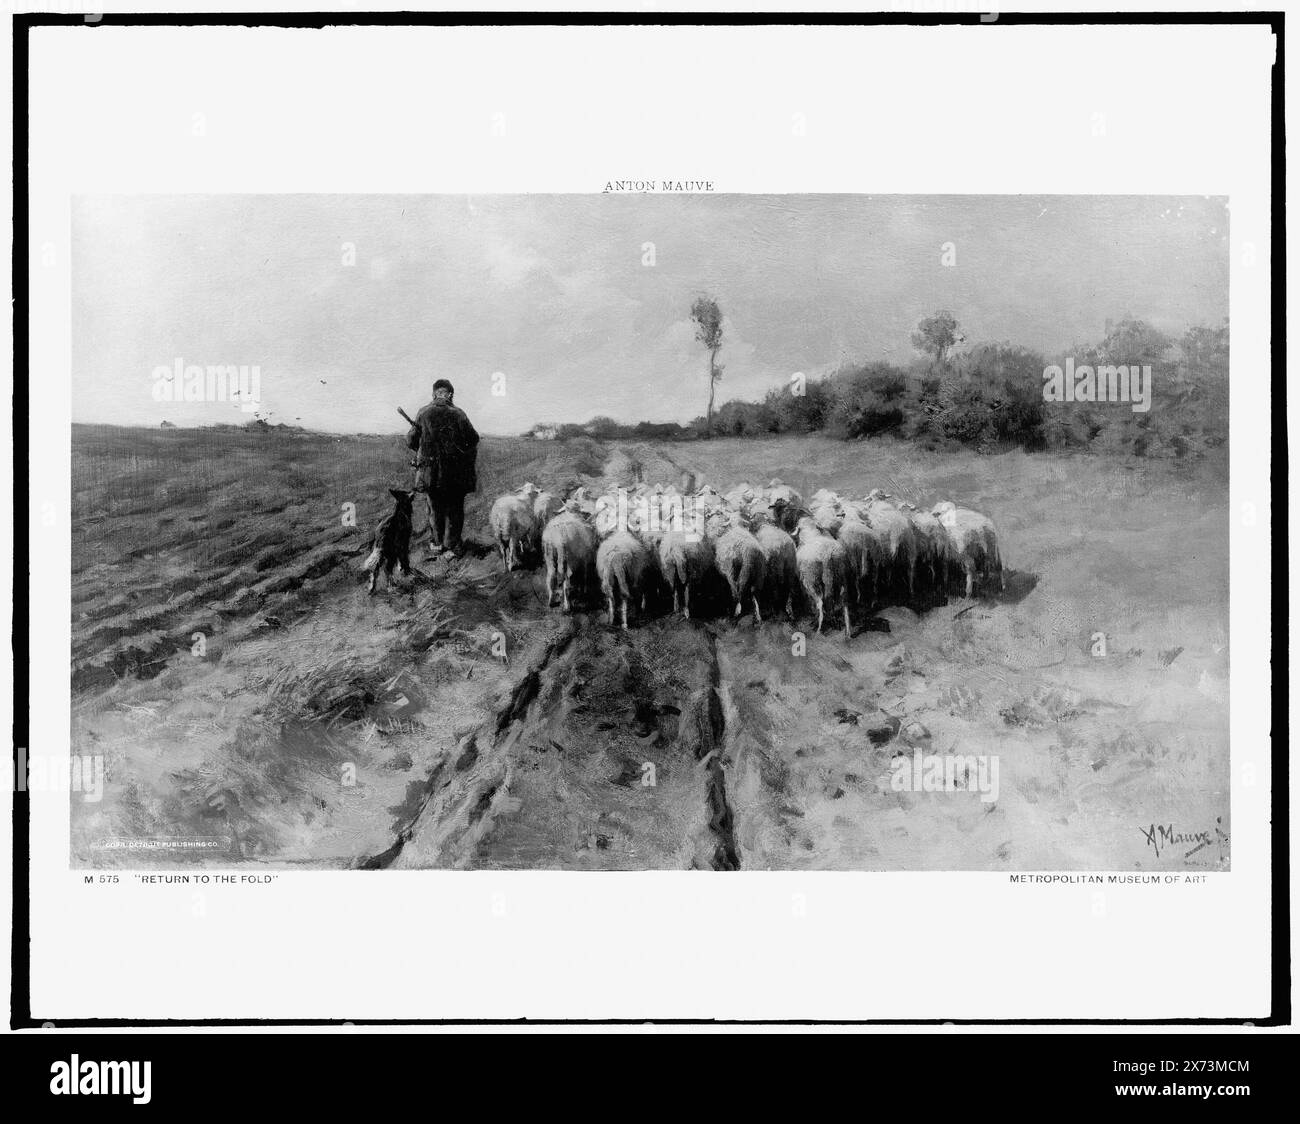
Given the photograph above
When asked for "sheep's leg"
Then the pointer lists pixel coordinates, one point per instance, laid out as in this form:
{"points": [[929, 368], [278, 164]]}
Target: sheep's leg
{"points": [[625, 603], [676, 598], [970, 579], [613, 618], [374, 577], [566, 592], [686, 601], [758, 616], [819, 614], [848, 628]]}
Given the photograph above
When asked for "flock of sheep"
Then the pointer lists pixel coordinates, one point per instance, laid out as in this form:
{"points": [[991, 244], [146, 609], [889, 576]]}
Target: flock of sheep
{"points": [[765, 543]]}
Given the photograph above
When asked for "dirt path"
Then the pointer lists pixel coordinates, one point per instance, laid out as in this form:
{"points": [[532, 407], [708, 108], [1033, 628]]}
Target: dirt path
{"points": [[610, 754]]}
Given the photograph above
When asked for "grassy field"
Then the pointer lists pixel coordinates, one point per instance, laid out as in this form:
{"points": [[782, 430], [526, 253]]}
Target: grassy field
{"points": [[252, 705]]}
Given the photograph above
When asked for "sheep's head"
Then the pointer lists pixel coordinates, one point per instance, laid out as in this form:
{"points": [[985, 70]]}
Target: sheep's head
{"points": [[944, 507], [806, 528], [828, 516], [530, 491], [717, 522]]}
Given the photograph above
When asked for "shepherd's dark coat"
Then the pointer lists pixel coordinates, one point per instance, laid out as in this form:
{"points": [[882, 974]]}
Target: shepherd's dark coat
{"points": [[446, 445]]}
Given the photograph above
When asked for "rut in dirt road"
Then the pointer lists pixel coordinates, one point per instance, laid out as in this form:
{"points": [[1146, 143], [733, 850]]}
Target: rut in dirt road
{"points": [[608, 753], [712, 725], [466, 753]]}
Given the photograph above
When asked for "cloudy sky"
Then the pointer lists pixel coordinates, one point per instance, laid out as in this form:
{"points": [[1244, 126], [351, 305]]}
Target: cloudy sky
{"points": [[548, 298]]}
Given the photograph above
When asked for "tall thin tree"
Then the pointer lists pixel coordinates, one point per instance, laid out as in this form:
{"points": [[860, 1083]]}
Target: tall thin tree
{"points": [[708, 330]]}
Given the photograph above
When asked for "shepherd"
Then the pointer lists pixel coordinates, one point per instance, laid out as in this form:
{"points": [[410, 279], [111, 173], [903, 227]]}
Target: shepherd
{"points": [[446, 449]]}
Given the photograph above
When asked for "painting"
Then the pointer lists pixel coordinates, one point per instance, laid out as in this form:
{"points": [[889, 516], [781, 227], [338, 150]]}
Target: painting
{"points": [[651, 528]]}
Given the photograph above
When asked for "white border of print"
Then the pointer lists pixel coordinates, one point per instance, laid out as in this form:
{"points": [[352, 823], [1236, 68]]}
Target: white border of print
{"points": [[370, 109]]}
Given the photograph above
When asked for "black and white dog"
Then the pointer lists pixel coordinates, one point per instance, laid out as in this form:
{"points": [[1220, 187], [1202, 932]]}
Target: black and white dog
{"points": [[391, 544]]}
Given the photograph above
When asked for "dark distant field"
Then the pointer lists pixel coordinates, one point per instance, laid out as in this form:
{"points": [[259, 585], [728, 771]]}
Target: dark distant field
{"points": [[253, 705]]}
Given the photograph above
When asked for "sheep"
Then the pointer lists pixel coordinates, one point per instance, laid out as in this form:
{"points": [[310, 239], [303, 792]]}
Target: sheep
{"points": [[653, 515], [866, 550], [717, 522], [673, 512], [898, 534], [709, 502], [974, 543], [823, 565], [513, 524], [685, 559], [934, 551], [676, 512], [569, 548], [828, 514], [780, 567], [739, 497], [625, 566], [606, 515], [784, 504], [546, 505], [739, 559]]}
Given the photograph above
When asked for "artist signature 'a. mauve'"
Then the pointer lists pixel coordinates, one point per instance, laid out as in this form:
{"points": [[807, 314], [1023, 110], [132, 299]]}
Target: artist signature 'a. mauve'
{"points": [[1160, 836]]}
